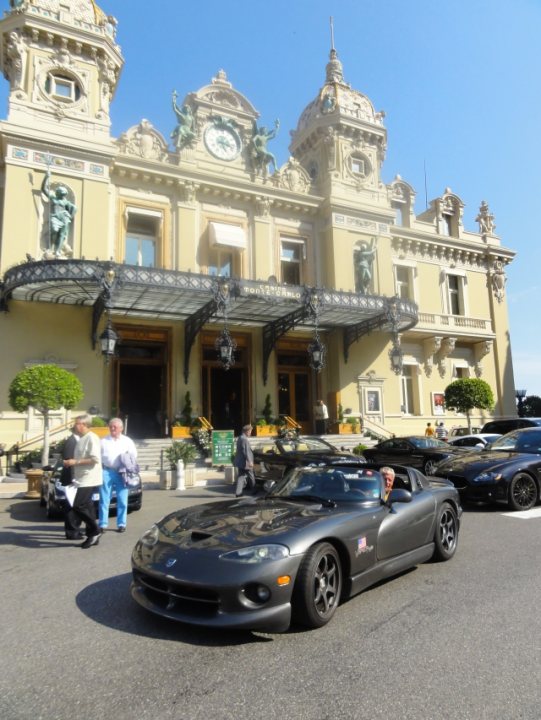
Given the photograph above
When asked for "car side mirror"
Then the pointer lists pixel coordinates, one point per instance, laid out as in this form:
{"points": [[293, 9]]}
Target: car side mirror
{"points": [[399, 495]]}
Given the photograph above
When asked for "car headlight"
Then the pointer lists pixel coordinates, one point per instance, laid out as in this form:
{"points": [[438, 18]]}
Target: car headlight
{"points": [[150, 537], [488, 477], [257, 554]]}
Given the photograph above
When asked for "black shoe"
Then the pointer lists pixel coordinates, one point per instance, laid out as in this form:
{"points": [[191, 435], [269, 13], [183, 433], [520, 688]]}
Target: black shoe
{"points": [[102, 530], [122, 528], [75, 536], [92, 540]]}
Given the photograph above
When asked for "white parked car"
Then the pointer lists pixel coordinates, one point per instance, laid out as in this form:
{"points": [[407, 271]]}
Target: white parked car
{"points": [[455, 432], [476, 442]]}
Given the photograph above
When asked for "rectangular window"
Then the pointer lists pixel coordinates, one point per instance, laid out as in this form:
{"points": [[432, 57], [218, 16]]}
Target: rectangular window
{"points": [[220, 263], [291, 257], [404, 282], [141, 240], [455, 294], [406, 382]]}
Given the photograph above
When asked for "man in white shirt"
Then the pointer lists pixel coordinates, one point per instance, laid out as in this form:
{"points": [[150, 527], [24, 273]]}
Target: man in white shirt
{"points": [[87, 476], [321, 416], [112, 447]]}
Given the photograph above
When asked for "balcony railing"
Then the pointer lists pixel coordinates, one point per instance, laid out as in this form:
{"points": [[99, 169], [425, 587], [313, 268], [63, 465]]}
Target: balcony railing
{"points": [[458, 323]]}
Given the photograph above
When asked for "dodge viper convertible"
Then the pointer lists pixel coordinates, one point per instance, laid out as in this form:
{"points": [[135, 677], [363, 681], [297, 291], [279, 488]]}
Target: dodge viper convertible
{"points": [[509, 471], [322, 535], [273, 460]]}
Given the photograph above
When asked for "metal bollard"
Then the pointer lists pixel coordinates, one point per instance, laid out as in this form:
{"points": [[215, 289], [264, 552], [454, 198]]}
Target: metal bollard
{"points": [[181, 485]]}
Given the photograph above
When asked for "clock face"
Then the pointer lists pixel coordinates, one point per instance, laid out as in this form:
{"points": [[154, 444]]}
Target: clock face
{"points": [[223, 142]]}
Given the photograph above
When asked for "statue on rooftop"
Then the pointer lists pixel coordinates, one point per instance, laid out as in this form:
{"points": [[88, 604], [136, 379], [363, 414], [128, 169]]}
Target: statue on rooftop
{"points": [[184, 132], [261, 157]]}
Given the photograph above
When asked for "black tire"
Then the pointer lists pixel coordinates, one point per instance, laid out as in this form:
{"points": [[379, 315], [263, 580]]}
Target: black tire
{"points": [[318, 586], [523, 492], [429, 467], [446, 533], [51, 510]]}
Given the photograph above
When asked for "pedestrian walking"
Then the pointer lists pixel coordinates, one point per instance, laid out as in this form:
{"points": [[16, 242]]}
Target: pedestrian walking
{"points": [[441, 432], [244, 462], [86, 464], [117, 450]]}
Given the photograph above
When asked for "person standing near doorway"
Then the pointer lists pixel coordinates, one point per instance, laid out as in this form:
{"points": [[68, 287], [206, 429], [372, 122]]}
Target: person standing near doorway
{"points": [[86, 464], [244, 461], [321, 415], [112, 447]]}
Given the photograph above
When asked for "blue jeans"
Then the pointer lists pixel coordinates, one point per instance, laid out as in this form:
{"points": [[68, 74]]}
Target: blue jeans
{"points": [[113, 480]]}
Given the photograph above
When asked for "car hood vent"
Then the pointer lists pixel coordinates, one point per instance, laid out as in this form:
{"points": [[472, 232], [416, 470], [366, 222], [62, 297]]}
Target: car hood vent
{"points": [[196, 536]]}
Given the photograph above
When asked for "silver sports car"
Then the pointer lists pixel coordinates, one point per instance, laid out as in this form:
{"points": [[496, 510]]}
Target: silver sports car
{"points": [[321, 535]]}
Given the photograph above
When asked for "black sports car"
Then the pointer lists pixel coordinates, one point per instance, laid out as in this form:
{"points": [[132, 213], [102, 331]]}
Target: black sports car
{"points": [[273, 460], [420, 452], [53, 495], [509, 471], [321, 535]]}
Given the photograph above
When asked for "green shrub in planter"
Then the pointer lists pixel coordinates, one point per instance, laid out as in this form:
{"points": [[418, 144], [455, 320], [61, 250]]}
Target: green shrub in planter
{"points": [[99, 421], [185, 451], [358, 449]]}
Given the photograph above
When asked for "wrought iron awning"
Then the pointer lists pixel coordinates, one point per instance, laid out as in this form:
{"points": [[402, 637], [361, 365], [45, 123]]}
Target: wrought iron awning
{"points": [[127, 291]]}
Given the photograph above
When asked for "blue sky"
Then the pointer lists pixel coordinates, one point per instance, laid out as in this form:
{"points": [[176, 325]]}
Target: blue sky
{"points": [[459, 82]]}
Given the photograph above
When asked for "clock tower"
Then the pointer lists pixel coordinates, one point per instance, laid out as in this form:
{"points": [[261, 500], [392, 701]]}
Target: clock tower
{"points": [[340, 140], [62, 62]]}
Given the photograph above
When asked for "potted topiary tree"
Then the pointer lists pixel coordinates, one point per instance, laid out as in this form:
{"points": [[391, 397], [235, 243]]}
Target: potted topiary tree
{"points": [[264, 425], [180, 427], [45, 388]]}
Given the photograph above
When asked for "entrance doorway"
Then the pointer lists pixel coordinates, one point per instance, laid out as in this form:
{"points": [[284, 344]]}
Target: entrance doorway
{"points": [[295, 387], [140, 390], [225, 393]]}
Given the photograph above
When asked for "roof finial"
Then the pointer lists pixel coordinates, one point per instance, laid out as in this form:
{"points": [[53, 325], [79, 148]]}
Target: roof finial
{"points": [[332, 32]]}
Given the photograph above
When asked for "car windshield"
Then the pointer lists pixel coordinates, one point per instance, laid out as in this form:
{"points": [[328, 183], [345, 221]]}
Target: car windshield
{"points": [[526, 441], [428, 443], [339, 485], [305, 444]]}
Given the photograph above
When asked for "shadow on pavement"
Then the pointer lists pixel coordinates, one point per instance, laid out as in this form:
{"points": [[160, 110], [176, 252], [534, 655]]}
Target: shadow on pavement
{"points": [[109, 603]]}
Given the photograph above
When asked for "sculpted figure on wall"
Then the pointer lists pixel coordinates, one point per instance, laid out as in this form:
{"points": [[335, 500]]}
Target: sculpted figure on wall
{"points": [[61, 213], [184, 132], [261, 157], [498, 280], [16, 52], [364, 259]]}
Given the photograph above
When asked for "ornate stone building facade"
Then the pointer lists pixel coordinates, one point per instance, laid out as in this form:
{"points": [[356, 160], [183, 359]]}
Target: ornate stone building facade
{"points": [[185, 243]]}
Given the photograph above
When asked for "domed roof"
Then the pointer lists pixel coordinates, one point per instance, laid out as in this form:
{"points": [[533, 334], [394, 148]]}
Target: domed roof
{"points": [[83, 10], [336, 97]]}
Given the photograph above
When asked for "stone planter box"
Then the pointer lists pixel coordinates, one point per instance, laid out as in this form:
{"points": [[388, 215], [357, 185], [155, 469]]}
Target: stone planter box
{"points": [[345, 428], [180, 431], [100, 431], [265, 430], [167, 479]]}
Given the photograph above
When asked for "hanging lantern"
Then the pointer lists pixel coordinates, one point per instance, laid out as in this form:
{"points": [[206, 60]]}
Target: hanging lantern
{"points": [[108, 341], [225, 347], [317, 351], [396, 356]]}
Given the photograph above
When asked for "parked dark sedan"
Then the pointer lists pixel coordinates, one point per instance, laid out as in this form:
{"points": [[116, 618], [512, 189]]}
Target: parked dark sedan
{"points": [[509, 471], [53, 495], [273, 460], [420, 452], [321, 535]]}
